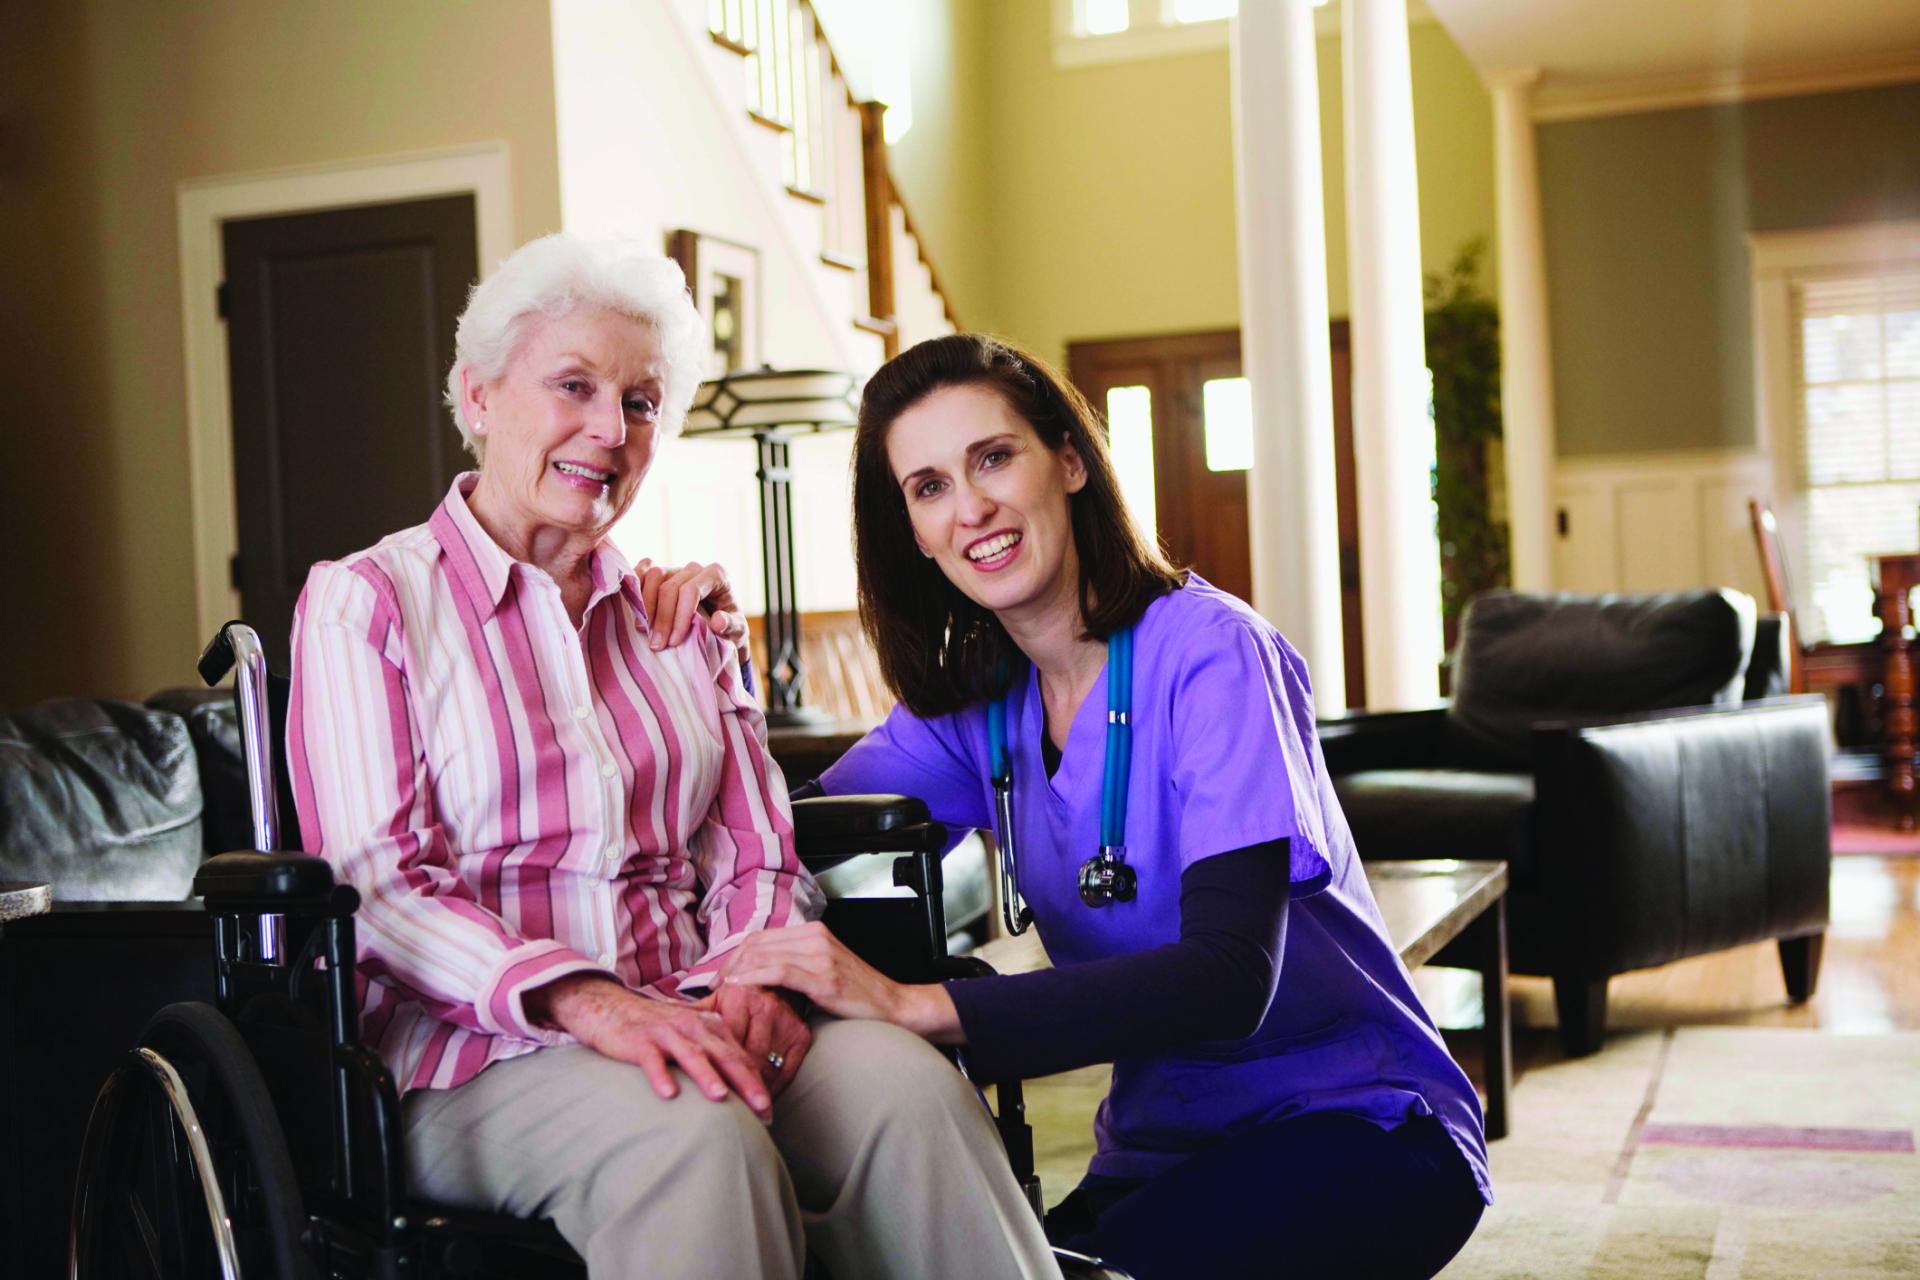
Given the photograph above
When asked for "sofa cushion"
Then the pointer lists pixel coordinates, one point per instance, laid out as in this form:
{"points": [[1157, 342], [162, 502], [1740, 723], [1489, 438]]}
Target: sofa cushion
{"points": [[100, 799], [213, 724], [1441, 813], [1527, 658]]}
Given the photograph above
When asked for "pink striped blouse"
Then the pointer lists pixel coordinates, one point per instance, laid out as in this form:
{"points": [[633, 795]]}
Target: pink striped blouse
{"points": [[516, 800]]}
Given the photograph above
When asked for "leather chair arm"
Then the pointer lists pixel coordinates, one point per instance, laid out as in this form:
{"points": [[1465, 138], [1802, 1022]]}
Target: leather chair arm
{"points": [[1362, 740], [828, 830], [1672, 834]]}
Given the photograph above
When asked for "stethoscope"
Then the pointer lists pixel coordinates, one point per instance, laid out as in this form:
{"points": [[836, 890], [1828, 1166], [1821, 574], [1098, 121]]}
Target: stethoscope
{"points": [[1105, 878]]}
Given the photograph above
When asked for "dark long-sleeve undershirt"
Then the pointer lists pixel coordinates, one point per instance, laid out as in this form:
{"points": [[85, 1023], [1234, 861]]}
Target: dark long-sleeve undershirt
{"points": [[1214, 984]]}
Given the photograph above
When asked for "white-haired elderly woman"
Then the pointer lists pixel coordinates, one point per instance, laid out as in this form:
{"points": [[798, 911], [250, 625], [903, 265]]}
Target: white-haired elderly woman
{"points": [[560, 825]]}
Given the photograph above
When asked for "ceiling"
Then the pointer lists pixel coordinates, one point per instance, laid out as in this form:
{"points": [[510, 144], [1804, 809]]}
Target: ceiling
{"points": [[1598, 56]]}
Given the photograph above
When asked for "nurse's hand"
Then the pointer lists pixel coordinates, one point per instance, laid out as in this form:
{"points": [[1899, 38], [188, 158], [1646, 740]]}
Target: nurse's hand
{"points": [[675, 599], [808, 959]]}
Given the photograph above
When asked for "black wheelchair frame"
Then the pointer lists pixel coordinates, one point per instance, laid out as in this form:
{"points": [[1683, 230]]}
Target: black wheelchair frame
{"points": [[257, 1136]]}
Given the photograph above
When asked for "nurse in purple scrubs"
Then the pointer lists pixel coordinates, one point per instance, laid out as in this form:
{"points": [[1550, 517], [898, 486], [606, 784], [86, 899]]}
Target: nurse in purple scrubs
{"points": [[1281, 1103]]}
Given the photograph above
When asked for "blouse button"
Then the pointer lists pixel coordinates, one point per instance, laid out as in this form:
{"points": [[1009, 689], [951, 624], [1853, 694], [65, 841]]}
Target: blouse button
{"points": [[580, 713], [609, 771]]}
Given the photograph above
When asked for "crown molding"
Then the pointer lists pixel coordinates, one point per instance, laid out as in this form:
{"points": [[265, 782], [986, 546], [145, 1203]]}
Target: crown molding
{"points": [[1554, 102]]}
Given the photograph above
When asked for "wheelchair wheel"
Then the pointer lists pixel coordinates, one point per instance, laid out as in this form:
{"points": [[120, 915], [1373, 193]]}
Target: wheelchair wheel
{"points": [[184, 1171]]}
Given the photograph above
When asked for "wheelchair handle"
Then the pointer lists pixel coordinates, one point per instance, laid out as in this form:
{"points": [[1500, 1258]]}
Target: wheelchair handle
{"points": [[237, 648]]}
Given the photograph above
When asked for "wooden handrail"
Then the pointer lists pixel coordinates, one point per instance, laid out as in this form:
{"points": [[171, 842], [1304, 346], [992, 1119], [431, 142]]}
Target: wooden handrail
{"points": [[792, 74], [880, 199]]}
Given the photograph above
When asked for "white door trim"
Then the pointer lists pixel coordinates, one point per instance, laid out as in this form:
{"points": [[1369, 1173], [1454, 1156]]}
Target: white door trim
{"points": [[203, 204]]}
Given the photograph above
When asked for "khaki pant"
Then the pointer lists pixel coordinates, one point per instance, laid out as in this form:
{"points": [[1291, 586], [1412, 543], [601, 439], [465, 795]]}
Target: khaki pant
{"points": [[880, 1158]]}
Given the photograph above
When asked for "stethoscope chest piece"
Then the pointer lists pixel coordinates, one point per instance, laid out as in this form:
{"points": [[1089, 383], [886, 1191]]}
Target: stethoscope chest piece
{"points": [[1105, 879]]}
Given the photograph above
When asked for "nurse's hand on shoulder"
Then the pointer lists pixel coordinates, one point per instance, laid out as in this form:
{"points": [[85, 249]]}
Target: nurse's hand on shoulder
{"points": [[675, 599], [808, 959]]}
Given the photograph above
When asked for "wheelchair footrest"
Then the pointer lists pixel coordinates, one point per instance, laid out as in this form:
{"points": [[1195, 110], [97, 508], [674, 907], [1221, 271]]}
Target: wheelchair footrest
{"points": [[489, 1246]]}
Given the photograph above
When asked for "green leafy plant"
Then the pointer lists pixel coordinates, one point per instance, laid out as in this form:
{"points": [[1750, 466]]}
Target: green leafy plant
{"points": [[1463, 351]]}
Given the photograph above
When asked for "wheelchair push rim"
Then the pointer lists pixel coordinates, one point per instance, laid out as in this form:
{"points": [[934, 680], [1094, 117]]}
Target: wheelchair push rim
{"points": [[184, 1170]]}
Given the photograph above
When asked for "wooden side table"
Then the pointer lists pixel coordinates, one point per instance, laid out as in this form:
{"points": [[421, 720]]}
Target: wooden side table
{"points": [[1895, 577]]}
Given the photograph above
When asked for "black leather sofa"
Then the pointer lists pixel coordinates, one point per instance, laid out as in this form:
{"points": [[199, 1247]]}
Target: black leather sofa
{"points": [[1633, 761]]}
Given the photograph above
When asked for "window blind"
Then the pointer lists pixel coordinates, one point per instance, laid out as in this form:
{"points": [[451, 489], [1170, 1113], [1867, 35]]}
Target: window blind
{"points": [[1856, 365]]}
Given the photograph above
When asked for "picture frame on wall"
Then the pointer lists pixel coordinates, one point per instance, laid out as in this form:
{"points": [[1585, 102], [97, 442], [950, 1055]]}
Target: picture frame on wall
{"points": [[724, 278]]}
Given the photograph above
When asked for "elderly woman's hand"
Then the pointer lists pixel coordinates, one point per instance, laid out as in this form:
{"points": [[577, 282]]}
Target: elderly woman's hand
{"points": [[809, 959], [773, 1034], [654, 1035], [674, 598]]}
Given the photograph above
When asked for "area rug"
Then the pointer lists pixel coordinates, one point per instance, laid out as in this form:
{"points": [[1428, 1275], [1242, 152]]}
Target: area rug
{"points": [[1703, 1153], [1863, 823], [1877, 841]]}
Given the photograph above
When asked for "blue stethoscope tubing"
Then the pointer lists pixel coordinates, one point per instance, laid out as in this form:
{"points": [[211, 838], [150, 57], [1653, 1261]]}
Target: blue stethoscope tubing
{"points": [[1113, 785]]}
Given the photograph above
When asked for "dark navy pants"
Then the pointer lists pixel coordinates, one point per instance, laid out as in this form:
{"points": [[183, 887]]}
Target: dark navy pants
{"points": [[1323, 1195]]}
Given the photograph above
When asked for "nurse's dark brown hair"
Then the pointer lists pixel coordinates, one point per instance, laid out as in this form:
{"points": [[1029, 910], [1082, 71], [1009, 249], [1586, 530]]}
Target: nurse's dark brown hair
{"points": [[939, 651]]}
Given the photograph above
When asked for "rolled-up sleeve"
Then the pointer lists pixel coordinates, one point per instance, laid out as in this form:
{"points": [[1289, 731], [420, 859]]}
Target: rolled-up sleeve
{"points": [[744, 848], [366, 806]]}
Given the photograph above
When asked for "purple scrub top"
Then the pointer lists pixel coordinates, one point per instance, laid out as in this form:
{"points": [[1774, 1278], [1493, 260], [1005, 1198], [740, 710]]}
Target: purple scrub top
{"points": [[1224, 757]]}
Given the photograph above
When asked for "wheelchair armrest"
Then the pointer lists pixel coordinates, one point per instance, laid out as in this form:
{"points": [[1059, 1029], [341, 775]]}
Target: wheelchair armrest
{"points": [[950, 968], [272, 882], [828, 830]]}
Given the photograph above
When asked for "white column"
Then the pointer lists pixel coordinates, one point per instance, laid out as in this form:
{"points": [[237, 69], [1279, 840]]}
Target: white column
{"points": [[1392, 435], [1291, 506], [1526, 367]]}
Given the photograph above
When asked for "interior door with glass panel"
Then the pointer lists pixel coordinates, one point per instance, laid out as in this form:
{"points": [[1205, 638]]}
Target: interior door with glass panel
{"points": [[1181, 422], [1181, 428]]}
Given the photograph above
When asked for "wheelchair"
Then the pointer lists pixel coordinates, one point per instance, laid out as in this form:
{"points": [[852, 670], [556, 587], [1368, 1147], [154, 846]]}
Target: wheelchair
{"points": [[257, 1137]]}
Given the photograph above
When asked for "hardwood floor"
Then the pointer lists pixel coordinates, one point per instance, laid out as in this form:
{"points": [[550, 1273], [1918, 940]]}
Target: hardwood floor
{"points": [[1869, 977]]}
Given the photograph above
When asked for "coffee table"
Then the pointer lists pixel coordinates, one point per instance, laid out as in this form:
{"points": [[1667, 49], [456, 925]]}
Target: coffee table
{"points": [[1428, 904]]}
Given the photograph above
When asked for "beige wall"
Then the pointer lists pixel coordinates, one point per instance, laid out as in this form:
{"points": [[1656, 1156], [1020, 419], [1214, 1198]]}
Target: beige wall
{"points": [[1110, 187], [1649, 280], [941, 163], [106, 105]]}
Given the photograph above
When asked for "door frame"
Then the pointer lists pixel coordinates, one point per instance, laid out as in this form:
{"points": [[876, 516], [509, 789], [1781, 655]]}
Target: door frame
{"points": [[481, 171]]}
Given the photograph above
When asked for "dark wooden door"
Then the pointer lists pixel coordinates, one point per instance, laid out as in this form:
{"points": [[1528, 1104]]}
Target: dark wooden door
{"points": [[1185, 384], [339, 337]]}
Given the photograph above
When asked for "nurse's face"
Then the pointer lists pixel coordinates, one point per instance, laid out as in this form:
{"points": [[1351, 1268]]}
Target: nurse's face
{"points": [[988, 499]]}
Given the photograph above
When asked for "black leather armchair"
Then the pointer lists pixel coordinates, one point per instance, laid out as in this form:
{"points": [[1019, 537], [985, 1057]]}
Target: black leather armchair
{"points": [[1631, 761]]}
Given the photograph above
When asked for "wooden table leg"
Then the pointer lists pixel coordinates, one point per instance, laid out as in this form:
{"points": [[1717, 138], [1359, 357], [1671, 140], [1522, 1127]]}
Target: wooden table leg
{"points": [[1490, 945], [1895, 617]]}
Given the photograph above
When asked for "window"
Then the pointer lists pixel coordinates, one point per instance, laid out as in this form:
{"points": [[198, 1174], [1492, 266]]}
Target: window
{"points": [[1837, 312], [1856, 369], [1130, 440], [1226, 405], [1095, 31], [1205, 10], [1103, 17]]}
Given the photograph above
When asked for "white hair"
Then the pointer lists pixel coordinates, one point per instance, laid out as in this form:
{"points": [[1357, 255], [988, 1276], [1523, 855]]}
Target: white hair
{"points": [[559, 274]]}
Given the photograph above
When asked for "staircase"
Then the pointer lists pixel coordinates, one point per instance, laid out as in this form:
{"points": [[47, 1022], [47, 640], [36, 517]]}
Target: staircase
{"points": [[824, 155]]}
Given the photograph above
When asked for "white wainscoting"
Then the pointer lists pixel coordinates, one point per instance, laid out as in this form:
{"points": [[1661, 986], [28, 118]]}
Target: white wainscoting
{"points": [[1659, 522]]}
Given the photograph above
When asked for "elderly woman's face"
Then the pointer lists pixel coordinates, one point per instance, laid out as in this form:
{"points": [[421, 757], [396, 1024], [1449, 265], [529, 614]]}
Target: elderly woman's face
{"points": [[572, 425]]}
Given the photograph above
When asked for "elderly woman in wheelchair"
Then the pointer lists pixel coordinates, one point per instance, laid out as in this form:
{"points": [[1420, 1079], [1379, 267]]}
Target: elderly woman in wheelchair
{"points": [[559, 827]]}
